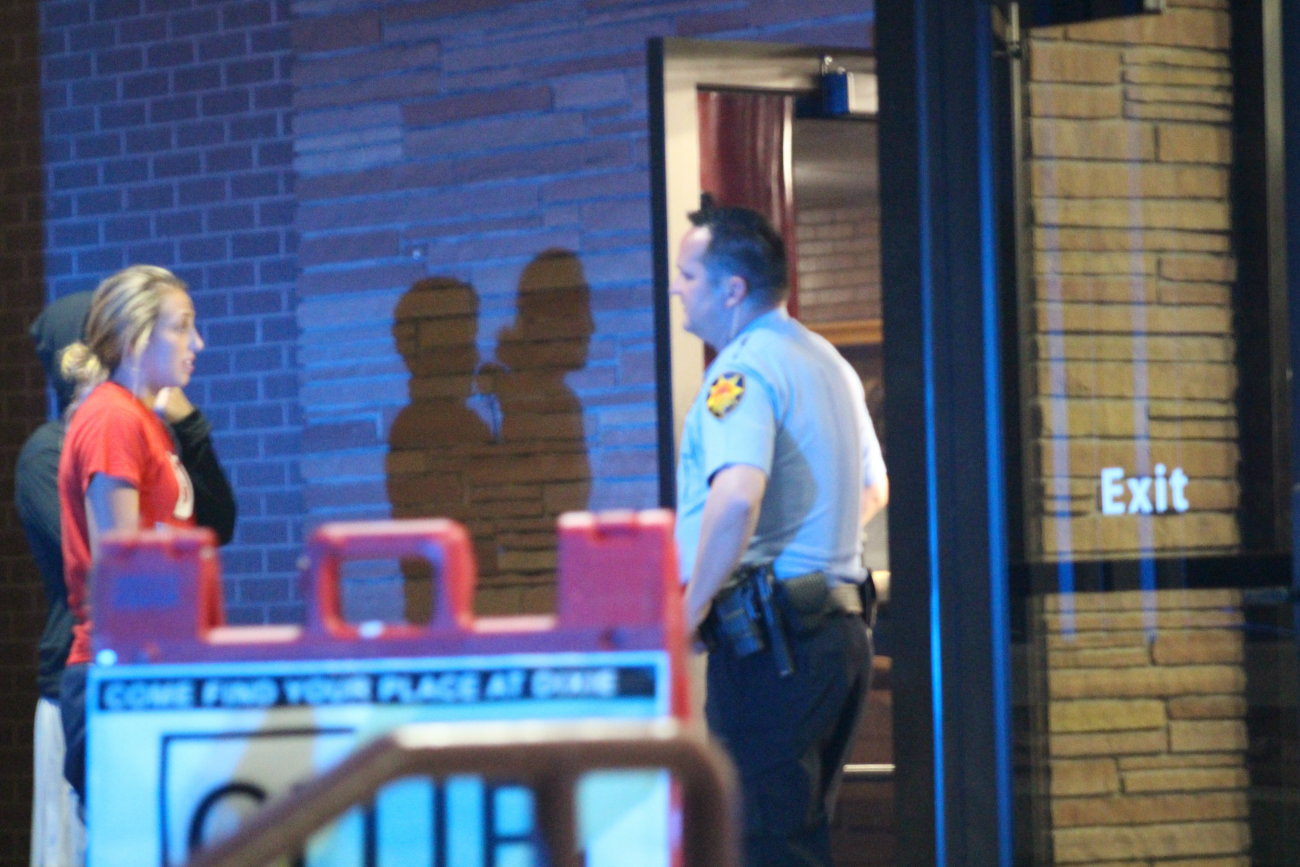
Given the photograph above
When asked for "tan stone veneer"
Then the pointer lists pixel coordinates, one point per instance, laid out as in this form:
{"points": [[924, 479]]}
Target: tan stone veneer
{"points": [[1145, 736], [1127, 334]]}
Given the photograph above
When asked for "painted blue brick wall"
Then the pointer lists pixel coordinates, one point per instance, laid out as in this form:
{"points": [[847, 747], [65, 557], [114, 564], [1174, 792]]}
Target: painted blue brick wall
{"points": [[168, 139]]}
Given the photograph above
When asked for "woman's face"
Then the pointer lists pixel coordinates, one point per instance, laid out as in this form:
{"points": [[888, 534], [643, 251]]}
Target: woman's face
{"points": [[168, 358]]}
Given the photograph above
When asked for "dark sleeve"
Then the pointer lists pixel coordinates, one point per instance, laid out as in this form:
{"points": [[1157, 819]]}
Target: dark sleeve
{"points": [[214, 502], [36, 493]]}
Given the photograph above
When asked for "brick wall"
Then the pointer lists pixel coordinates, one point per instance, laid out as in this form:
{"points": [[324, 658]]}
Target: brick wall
{"points": [[156, 132], [167, 140], [474, 195], [839, 263], [1146, 726], [1131, 342]]}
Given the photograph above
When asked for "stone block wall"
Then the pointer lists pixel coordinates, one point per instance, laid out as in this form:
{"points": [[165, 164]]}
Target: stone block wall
{"points": [[1145, 738], [476, 326], [1128, 335]]}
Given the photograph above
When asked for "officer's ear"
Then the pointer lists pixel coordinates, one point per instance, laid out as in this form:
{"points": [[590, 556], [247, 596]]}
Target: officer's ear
{"points": [[735, 289]]}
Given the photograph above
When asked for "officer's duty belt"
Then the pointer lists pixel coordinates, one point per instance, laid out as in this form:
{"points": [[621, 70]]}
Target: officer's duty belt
{"points": [[846, 597]]}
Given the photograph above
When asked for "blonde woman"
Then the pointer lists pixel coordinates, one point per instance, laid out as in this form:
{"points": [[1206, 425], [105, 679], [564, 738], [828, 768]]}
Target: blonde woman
{"points": [[119, 468]]}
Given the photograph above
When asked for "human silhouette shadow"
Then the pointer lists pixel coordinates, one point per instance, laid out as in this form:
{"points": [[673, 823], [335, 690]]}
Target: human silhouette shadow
{"points": [[539, 466], [432, 441], [498, 445]]}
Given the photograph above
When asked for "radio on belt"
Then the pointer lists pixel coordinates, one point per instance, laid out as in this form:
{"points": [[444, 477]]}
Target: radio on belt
{"points": [[193, 723]]}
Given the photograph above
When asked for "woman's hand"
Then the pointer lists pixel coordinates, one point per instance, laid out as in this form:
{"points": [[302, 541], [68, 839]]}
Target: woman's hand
{"points": [[172, 404]]}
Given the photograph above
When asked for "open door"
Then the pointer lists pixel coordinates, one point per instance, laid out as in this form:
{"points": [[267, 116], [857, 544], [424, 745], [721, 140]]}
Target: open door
{"points": [[682, 70], [789, 131]]}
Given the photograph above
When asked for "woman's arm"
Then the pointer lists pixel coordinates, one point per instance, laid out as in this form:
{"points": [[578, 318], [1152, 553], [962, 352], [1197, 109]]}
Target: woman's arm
{"points": [[214, 502], [111, 504]]}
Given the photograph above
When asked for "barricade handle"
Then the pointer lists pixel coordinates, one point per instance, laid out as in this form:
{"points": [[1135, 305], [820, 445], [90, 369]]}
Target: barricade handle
{"points": [[444, 543], [618, 568], [155, 588]]}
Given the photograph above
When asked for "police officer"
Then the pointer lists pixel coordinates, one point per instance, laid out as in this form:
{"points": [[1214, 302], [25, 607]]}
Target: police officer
{"points": [[779, 470]]}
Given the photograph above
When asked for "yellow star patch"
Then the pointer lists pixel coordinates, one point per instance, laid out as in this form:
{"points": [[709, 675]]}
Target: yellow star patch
{"points": [[725, 393]]}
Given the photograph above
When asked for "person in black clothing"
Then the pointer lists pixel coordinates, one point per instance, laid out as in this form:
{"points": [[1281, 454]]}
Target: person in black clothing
{"points": [[57, 836]]}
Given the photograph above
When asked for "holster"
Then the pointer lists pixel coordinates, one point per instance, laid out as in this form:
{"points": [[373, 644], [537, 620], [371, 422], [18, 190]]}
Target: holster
{"points": [[753, 611], [735, 620], [745, 618]]}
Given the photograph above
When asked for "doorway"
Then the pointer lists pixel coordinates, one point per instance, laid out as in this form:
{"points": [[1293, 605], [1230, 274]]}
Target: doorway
{"points": [[753, 122]]}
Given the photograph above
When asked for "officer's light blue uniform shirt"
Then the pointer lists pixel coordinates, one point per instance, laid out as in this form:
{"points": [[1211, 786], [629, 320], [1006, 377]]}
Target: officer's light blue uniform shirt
{"points": [[781, 398]]}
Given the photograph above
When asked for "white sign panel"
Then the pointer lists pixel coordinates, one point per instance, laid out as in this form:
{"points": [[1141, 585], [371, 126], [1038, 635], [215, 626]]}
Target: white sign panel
{"points": [[178, 755]]}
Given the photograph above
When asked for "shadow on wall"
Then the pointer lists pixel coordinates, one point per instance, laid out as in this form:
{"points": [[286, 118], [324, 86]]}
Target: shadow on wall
{"points": [[498, 445]]}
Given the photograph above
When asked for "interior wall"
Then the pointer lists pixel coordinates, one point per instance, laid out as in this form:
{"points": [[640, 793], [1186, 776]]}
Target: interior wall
{"points": [[839, 263]]}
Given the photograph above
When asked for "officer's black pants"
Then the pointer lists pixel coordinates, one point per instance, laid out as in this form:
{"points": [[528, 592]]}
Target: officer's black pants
{"points": [[789, 737]]}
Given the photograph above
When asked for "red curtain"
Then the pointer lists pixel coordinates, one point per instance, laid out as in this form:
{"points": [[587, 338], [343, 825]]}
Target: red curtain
{"points": [[744, 155]]}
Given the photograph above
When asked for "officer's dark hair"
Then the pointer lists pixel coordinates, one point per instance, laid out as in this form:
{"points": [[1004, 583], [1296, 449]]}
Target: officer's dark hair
{"points": [[742, 242]]}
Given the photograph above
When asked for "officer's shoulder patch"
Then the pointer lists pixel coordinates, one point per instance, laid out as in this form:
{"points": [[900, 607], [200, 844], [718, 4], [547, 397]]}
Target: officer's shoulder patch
{"points": [[725, 393]]}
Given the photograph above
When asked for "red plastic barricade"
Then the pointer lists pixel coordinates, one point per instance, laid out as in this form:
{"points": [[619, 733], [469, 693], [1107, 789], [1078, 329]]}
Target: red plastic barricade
{"points": [[156, 589], [193, 709], [157, 594]]}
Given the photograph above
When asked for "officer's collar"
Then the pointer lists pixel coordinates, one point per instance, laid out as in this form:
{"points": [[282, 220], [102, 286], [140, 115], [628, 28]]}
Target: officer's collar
{"points": [[766, 319]]}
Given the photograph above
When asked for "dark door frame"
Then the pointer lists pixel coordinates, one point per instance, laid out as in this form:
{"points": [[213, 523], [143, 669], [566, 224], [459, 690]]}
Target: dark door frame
{"points": [[944, 398], [1289, 62]]}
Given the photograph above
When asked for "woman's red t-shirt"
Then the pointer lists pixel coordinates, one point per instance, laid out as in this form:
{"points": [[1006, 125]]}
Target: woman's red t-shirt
{"points": [[114, 433]]}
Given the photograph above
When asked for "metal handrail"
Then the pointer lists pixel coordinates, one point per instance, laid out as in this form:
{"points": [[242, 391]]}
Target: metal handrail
{"points": [[869, 773], [549, 756]]}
